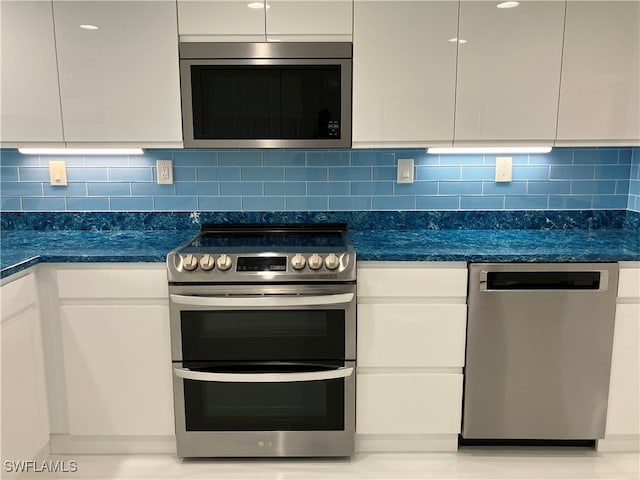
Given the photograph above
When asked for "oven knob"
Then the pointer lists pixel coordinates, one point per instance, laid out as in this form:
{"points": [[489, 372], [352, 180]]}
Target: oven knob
{"points": [[207, 262], [315, 261], [224, 262], [298, 261], [331, 261], [189, 262]]}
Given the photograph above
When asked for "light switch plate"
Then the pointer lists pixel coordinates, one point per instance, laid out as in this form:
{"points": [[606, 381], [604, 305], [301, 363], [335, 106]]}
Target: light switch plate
{"points": [[405, 170], [58, 173], [503, 169], [164, 172]]}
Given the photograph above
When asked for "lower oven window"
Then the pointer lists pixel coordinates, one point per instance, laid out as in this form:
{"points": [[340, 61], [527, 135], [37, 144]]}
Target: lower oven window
{"points": [[289, 406]]}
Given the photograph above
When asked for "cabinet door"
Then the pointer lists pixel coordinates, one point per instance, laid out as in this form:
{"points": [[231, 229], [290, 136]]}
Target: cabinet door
{"points": [[599, 95], [508, 72], [30, 107], [119, 83], [221, 20], [404, 71], [310, 20]]}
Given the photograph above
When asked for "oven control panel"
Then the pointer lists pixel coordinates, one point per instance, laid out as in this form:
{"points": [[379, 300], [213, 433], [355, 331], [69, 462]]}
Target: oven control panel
{"points": [[262, 264]]}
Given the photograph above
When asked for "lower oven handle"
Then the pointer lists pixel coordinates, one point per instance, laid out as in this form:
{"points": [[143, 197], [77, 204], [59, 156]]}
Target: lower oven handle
{"points": [[262, 301], [341, 372]]}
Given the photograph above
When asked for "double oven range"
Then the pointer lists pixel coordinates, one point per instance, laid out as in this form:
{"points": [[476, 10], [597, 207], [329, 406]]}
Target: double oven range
{"points": [[263, 340]]}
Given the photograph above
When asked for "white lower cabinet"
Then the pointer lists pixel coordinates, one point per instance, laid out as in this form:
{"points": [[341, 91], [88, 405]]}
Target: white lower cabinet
{"points": [[25, 416], [115, 355], [411, 343], [622, 431]]}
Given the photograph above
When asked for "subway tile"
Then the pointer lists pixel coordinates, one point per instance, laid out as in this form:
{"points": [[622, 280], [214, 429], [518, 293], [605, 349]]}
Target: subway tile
{"points": [[585, 156], [70, 161], [305, 204], [285, 188], [384, 173], [618, 172], [515, 159], [558, 156], [530, 172], [420, 157], [148, 160], [372, 188], [10, 204], [311, 174], [634, 173], [478, 173], [69, 190], [393, 203], [9, 174], [191, 189], [195, 159], [550, 187], [481, 203], [624, 156], [579, 172], [504, 188], [459, 188], [184, 174], [24, 189], [601, 187], [33, 174], [521, 202], [610, 201], [570, 202], [87, 174], [243, 158], [87, 204], [359, 159], [461, 159], [350, 203], [439, 202], [106, 161], [131, 204], [416, 188], [175, 204], [210, 174], [262, 204], [132, 174], [329, 159], [152, 189], [438, 173], [281, 158], [262, 173], [104, 189], [240, 188], [349, 173], [220, 204], [328, 188], [14, 158], [44, 204], [228, 174]]}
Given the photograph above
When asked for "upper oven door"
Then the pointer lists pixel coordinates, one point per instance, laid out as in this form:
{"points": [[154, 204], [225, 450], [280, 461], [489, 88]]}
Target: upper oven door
{"points": [[266, 102], [289, 323]]}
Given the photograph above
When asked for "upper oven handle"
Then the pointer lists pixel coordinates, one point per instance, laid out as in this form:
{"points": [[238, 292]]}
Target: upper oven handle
{"points": [[262, 301], [341, 372]]}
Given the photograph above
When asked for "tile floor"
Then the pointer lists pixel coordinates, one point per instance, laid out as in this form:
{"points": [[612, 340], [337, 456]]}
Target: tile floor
{"points": [[469, 464]]}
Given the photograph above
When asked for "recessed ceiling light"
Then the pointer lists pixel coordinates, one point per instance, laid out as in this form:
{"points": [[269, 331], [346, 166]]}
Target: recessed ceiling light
{"points": [[508, 4], [81, 151], [487, 150], [89, 27], [454, 40]]}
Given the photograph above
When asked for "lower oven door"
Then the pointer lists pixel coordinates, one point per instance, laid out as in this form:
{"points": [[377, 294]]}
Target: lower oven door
{"points": [[264, 409]]}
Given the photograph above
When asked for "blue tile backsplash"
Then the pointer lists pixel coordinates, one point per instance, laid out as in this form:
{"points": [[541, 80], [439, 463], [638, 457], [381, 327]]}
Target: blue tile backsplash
{"points": [[321, 180]]}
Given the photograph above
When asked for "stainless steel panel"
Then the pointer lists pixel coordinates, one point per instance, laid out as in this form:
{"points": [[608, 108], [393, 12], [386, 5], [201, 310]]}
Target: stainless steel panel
{"points": [[538, 361], [233, 50]]}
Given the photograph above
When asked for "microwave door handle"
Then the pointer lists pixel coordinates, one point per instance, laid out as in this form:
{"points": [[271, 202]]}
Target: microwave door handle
{"points": [[341, 372], [262, 301]]}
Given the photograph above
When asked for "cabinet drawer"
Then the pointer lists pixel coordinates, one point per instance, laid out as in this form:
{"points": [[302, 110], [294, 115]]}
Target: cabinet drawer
{"points": [[113, 283], [426, 335], [629, 283], [408, 404], [412, 282]]}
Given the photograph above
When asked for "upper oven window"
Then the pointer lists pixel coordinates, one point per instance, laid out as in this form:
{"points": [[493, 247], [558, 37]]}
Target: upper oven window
{"points": [[258, 335]]}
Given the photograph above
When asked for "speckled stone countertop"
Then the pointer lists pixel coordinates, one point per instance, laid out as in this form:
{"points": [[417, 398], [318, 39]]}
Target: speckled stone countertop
{"points": [[24, 248]]}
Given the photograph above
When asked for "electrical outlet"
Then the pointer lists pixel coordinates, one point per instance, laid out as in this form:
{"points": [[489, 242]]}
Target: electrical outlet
{"points": [[503, 169], [164, 171], [405, 170], [58, 173]]}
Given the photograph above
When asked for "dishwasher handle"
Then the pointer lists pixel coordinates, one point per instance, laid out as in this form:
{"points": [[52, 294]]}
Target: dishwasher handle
{"points": [[532, 280]]}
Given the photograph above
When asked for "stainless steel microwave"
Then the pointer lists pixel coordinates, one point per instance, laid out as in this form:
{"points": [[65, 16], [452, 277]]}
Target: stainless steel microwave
{"points": [[266, 95]]}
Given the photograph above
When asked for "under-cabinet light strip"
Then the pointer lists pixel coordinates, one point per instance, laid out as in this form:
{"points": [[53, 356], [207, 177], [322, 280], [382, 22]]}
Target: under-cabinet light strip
{"points": [[81, 151], [486, 150]]}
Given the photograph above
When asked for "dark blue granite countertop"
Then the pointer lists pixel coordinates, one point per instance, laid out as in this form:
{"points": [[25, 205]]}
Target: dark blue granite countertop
{"points": [[24, 248]]}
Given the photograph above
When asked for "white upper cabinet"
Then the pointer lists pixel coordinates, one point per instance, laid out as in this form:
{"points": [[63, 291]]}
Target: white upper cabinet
{"points": [[600, 90], [509, 63], [404, 71], [119, 83], [30, 106], [259, 21]]}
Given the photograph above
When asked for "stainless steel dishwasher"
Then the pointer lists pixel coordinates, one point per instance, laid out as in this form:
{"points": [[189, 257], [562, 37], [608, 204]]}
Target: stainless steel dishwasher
{"points": [[539, 342]]}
